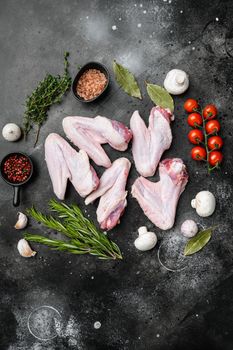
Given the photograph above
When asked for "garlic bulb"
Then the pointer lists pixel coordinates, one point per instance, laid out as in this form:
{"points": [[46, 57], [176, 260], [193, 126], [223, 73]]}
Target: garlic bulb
{"points": [[204, 203], [146, 240], [25, 249], [21, 222], [189, 228], [11, 132], [176, 82]]}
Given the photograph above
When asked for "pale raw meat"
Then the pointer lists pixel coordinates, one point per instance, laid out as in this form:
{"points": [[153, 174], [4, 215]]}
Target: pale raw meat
{"points": [[150, 143], [89, 133], [159, 200], [65, 163], [113, 194]]}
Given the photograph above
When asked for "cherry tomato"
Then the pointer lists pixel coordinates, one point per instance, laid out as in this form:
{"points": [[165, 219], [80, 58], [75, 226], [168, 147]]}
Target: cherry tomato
{"points": [[190, 105], [210, 112], [198, 153], [212, 126], [195, 136], [194, 119], [215, 158], [215, 142]]}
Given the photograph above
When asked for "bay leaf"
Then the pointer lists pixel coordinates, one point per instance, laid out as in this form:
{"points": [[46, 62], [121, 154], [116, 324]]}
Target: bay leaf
{"points": [[198, 242], [126, 80], [160, 96]]}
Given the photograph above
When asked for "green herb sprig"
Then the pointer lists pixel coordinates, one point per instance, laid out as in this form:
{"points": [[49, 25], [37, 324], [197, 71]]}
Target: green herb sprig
{"points": [[84, 237], [48, 92]]}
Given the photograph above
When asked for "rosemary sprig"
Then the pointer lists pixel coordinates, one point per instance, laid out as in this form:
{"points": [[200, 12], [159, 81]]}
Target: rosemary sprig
{"points": [[84, 237], [48, 92]]}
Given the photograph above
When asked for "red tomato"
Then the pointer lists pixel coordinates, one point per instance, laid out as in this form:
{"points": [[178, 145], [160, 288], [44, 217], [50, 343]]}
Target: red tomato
{"points": [[215, 142], [212, 126], [190, 105], [195, 136], [210, 112], [194, 119], [198, 153], [215, 158]]}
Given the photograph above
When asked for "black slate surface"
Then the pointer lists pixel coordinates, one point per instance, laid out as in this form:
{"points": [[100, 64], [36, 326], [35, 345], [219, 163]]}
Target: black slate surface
{"points": [[139, 304]]}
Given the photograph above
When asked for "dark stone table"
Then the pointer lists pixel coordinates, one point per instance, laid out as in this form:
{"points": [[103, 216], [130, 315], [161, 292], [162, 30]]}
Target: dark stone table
{"points": [[139, 304]]}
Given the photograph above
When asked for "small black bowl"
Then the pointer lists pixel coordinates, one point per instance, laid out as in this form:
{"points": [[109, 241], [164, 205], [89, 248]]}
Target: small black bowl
{"points": [[16, 185], [90, 65]]}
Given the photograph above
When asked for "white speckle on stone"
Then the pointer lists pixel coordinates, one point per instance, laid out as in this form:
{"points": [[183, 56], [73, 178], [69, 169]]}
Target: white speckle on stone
{"points": [[171, 31], [197, 172], [164, 0], [138, 272], [181, 11], [87, 17], [139, 338], [141, 5], [226, 172], [119, 18], [135, 5], [193, 48], [139, 25], [150, 36], [158, 335], [169, 1], [216, 19], [92, 277], [97, 325], [144, 11], [190, 42], [114, 27], [197, 315]]}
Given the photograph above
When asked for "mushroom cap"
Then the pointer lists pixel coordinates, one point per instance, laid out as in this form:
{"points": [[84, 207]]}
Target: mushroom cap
{"points": [[146, 241], [176, 82]]}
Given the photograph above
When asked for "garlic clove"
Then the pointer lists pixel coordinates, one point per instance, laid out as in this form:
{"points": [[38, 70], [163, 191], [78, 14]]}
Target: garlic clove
{"points": [[25, 249], [21, 222], [11, 132]]}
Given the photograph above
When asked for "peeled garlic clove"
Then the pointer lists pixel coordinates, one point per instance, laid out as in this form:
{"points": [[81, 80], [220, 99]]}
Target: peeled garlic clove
{"points": [[25, 249], [176, 82], [21, 222], [189, 228]]}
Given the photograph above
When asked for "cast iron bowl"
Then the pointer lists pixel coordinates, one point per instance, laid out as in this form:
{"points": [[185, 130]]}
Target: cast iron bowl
{"points": [[90, 65], [16, 185]]}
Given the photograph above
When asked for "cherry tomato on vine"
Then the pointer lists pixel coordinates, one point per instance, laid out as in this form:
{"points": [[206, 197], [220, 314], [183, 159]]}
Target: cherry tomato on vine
{"points": [[210, 112], [198, 153], [195, 136], [194, 119], [212, 126], [215, 142], [215, 158], [190, 105]]}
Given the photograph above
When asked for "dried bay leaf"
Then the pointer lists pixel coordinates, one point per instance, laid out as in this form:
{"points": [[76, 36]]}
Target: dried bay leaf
{"points": [[160, 96], [126, 80], [198, 242]]}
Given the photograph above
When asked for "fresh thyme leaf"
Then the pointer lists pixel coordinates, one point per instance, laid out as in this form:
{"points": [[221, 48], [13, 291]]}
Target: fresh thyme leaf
{"points": [[84, 237], [126, 80], [48, 92], [160, 96], [198, 242]]}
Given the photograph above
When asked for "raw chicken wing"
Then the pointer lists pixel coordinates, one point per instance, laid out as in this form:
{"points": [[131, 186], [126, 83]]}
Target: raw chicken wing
{"points": [[150, 143], [159, 200], [65, 163], [89, 133]]}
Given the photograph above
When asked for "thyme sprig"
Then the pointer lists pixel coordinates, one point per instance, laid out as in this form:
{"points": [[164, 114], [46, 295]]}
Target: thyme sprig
{"points": [[48, 92], [84, 237]]}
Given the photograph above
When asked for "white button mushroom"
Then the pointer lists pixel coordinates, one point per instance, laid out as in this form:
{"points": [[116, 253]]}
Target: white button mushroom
{"points": [[11, 132], [176, 82], [146, 240], [189, 228], [204, 203]]}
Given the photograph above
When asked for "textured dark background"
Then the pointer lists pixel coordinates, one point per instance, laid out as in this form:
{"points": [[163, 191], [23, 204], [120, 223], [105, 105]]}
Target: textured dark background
{"points": [[140, 305]]}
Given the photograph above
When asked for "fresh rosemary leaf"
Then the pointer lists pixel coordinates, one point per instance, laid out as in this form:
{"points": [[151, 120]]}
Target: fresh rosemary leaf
{"points": [[84, 237], [198, 242], [126, 80], [48, 92]]}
